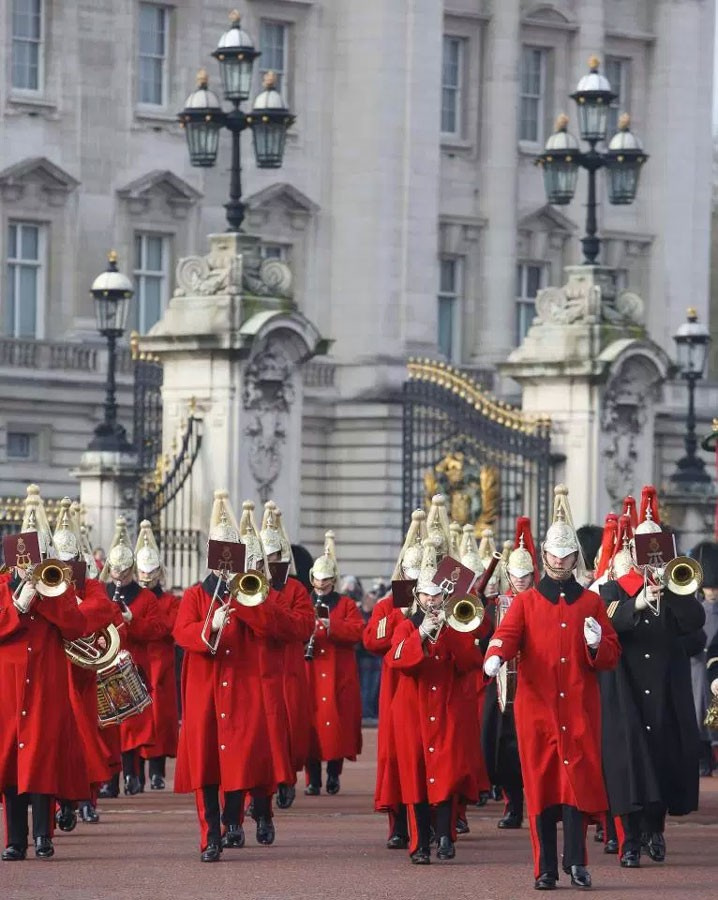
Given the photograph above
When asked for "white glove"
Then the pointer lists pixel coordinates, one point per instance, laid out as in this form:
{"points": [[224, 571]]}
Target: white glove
{"points": [[492, 666], [714, 687], [641, 601], [430, 626], [325, 623], [592, 632], [25, 598], [220, 617], [126, 616]]}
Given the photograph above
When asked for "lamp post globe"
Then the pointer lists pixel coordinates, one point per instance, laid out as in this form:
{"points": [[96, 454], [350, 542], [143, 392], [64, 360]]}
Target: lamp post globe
{"points": [[692, 339], [112, 292], [202, 118], [593, 96], [624, 158], [269, 121], [236, 55], [560, 163]]}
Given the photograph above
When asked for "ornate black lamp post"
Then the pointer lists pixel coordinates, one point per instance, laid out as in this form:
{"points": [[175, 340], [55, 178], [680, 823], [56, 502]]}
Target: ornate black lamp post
{"points": [[562, 156], [203, 116], [112, 292], [692, 340]]}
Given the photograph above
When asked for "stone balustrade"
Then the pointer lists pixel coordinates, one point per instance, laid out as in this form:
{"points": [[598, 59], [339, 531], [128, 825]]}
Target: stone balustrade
{"points": [[67, 356]]}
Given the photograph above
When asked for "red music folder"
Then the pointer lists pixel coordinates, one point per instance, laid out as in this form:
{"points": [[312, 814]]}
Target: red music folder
{"points": [[226, 556], [453, 578], [21, 550], [655, 549], [278, 572]]}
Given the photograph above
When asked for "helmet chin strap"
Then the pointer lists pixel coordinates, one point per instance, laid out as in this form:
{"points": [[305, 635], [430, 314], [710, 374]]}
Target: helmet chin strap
{"points": [[556, 574]]}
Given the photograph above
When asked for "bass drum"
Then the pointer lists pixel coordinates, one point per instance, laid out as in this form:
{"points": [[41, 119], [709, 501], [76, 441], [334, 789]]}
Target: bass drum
{"points": [[121, 692], [507, 676]]}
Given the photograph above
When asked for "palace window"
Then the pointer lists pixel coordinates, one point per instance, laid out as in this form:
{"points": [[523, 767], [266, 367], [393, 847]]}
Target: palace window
{"points": [[27, 48], [153, 34], [24, 280], [151, 275]]}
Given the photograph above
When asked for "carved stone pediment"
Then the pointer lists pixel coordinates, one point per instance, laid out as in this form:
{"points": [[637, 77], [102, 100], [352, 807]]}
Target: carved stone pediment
{"points": [[52, 182], [283, 199], [163, 188]]}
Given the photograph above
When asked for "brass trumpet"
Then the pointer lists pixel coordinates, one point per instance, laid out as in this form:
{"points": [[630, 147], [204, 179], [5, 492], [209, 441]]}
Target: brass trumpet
{"points": [[95, 651], [465, 613], [249, 588], [49, 579]]}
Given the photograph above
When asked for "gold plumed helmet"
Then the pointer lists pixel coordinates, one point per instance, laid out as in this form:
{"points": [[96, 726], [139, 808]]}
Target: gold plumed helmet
{"points": [[270, 534], [409, 562], [426, 583], [147, 553], [249, 536], [223, 525], [35, 519], [120, 556], [561, 538], [520, 562], [325, 566], [469, 552], [65, 538], [437, 525]]}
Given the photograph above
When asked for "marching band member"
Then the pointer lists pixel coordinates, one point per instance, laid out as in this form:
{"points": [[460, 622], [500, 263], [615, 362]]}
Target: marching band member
{"points": [[650, 734], [377, 638], [140, 624], [333, 676], [434, 721], [498, 733], [41, 756], [224, 745], [564, 637], [160, 659], [286, 657]]}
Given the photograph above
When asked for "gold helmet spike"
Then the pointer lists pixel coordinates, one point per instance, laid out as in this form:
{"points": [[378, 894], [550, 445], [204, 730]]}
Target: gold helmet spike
{"points": [[42, 526], [325, 566], [409, 562], [487, 547], [287, 555]]}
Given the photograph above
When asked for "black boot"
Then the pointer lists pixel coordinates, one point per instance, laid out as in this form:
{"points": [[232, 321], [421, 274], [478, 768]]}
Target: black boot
{"points": [[233, 836], [88, 813], [211, 853], [66, 816], [110, 789], [285, 795], [446, 848], [44, 848], [14, 854], [421, 856]]}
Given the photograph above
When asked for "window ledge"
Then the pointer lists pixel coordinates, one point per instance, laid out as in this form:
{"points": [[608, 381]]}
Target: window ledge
{"points": [[155, 114], [530, 148], [31, 104], [452, 144]]}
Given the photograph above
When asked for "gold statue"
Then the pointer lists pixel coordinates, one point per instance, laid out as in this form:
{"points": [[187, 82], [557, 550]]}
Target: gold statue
{"points": [[472, 490]]}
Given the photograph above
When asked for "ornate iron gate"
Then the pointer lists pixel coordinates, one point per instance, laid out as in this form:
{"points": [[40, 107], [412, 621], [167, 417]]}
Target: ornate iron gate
{"points": [[492, 461]]}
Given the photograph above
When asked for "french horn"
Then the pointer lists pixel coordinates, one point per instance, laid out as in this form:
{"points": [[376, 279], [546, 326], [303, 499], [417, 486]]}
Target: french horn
{"points": [[95, 651]]}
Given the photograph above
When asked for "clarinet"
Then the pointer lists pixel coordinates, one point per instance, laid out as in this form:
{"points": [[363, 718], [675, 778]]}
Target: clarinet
{"points": [[118, 598]]}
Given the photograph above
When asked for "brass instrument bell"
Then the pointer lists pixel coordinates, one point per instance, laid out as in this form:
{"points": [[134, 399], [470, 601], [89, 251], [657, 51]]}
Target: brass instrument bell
{"points": [[682, 576], [249, 588], [95, 651], [464, 613]]}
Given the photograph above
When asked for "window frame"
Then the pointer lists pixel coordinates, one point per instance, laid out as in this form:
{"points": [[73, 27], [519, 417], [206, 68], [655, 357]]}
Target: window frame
{"points": [[39, 91], [539, 98], [623, 102], [141, 273], [148, 105], [41, 264], [285, 81], [523, 301], [459, 89], [33, 454], [455, 296]]}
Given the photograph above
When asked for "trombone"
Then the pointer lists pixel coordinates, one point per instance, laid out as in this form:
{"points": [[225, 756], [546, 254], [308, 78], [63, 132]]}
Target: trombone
{"points": [[249, 589], [682, 576], [49, 579]]}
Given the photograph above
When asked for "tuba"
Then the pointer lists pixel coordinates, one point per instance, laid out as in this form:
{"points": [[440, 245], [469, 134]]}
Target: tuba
{"points": [[95, 651]]}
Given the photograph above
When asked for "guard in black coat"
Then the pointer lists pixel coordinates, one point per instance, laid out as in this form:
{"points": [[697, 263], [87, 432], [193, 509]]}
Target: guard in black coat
{"points": [[650, 736]]}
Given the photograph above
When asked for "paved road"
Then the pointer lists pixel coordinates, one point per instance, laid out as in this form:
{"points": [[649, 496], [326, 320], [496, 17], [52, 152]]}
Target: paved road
{"points": [[333, 847]]}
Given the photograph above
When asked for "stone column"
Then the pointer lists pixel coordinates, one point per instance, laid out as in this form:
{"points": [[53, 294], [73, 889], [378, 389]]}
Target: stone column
{"points": [[231, 343], [108, 489], [589, 364]]}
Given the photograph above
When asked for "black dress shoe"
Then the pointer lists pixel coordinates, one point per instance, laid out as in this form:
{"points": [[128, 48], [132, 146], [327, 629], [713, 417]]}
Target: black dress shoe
{"points": [[496, 793], [44, 848], [66, 817], [631, 859], [462, 826], [211, 853], [132, 785], [446, 848], [657, 847], [312, 790], [598, 834], [13, 853], [265, 831], [580, 877], [546, 882], [397, 842], [285, 795], [510, 820], [332, 784], [109, 790], [483, 798], [611, 846], [421, 857], [157, 783], [233, 836], [89, 814]]}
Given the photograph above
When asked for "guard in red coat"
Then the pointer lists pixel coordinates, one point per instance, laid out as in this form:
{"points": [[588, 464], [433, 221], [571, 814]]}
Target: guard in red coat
{"points": [[160, 659], [140, 623], [41, 755], [565, 638], [377, 638], [285, 659], [436, 731], [225, 743], [333, 676]]}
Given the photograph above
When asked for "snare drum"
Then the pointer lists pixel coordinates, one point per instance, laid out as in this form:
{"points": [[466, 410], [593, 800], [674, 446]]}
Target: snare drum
{"points": [[508, 673], [121, 693]]}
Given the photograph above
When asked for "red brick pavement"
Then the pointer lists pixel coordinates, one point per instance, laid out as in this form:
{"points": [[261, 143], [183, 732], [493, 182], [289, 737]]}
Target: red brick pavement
{"points": [[333, 847]]}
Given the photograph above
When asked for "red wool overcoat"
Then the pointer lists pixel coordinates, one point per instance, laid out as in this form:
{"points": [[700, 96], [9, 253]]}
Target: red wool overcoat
{"points": [[334, 683], [300, 624], [225, 733], [436, 732], [98, 612], [162, 684], [557, 705], [378, 635], [147, 625], [40, 749]]}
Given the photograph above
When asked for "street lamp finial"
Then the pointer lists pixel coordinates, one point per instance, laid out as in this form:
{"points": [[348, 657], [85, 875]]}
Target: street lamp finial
{"points": [[594, 63], [270, 80], [235, 18], [202, 78], [561, 122]]}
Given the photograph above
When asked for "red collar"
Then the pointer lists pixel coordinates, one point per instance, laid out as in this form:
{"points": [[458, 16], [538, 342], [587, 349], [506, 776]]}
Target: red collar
{"points": [[631, 582]]}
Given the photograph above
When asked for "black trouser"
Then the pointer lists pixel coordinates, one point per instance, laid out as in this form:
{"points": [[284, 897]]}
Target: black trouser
{"points": [[653, 818], [399, 822], [545, 840], [16, 808], [514, 801], [157, 766], [314, 770], [130, 763], [422, 812], [210, 818], [631, 825]]}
